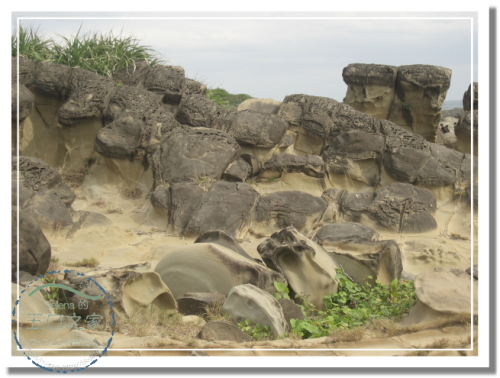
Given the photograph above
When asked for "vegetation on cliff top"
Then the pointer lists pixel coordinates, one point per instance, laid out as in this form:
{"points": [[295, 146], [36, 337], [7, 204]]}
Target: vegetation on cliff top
{"points": [[100, 53]]}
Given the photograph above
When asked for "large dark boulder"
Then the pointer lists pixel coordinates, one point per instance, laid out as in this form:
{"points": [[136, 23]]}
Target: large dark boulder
{"points": [[395, 207], [278, 210], [227, 207], [120, 139], [166, 80], [196, 154], [51, 79], [257, 129], [186, 199], [87, 93], [337, 234], [198, 111], [133, 75], [34, 248]]}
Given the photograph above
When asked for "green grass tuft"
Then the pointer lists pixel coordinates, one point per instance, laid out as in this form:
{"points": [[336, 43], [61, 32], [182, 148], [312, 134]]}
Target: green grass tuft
{"points": [[100, 53]]}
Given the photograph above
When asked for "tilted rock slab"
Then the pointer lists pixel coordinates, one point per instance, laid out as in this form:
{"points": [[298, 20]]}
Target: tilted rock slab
{"points": [[307, 267], [249, 302], [266, 106], [353, 246], [222, 331], [311, 165], [212, 268], [196, 303], [441, 293]]}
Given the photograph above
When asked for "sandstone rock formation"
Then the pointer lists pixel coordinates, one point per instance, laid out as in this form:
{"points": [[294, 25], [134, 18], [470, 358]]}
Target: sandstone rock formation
{"points": [[355, 248], [443, 293], [410, 96], [250, 302], [212, 268], [298, 259]]}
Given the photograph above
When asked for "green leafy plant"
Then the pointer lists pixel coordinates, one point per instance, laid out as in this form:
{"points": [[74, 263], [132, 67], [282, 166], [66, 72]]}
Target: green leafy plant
{"points": [[353, 306], [256, 331], [283, 291]]}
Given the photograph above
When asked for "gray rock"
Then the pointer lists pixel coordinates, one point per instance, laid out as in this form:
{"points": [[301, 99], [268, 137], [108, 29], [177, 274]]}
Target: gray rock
{"points": [[290, 310], [254, 163], [194, 87], [298, 259], [278, 210], [226, 207], [265, 106], [249, 302], [222, 331], [338, 234], [48, 210], [395, 207], [166, 80], [34, 248], [120, 138], [133, 75], [198, 111], [51, 79], [224, 239], [186, 199], [238, 170], [212, 268], [256, 129], [26, 102], [195, 154], [311, 165]]}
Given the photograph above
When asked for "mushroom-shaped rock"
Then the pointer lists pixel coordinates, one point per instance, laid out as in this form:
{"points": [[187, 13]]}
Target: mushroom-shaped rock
{"points": [[395, 207], [250, 302], [197, 303], [212, 268], [311, 165], [353, 246], [34, 248], [129, 292], [298, 259], [278, 210], [222, 331], [442, 293], [196, 154], [370, 88], [226, 207]]}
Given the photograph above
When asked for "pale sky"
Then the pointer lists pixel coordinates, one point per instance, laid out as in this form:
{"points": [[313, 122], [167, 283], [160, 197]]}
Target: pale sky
{"points": [[272, 58]]}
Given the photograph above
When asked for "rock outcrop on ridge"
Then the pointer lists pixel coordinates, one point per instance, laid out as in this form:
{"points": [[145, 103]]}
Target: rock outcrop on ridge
{"points": [[410, 96]]}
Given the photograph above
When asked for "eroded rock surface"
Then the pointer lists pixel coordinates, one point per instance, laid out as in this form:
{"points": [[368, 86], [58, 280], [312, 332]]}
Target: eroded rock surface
{"points": [[298, 259], [212, 268], [250, 302]]}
